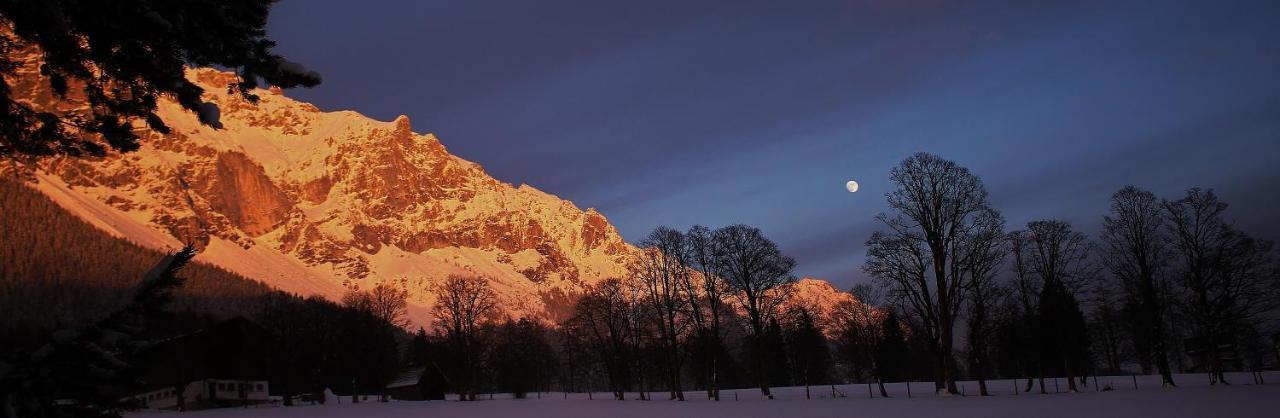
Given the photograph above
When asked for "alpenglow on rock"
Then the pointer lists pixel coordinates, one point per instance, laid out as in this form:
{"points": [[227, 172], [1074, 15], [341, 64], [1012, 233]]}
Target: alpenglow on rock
{"points": [[314, 202]]}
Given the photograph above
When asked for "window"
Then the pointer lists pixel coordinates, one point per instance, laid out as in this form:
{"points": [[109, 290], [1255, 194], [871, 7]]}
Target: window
{"points": [[260, 388]]}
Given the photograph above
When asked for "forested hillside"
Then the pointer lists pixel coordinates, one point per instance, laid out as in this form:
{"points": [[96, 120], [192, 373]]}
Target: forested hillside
{"points": [[58, 271]]}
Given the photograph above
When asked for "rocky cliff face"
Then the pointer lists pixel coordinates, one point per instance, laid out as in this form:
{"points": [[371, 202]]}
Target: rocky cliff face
{"points": [[318, 202], [315, 202]]}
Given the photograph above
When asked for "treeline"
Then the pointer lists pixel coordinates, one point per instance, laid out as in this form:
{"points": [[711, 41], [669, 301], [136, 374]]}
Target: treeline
{"points": [[699, 310], [1171, 285], [62, 276]]}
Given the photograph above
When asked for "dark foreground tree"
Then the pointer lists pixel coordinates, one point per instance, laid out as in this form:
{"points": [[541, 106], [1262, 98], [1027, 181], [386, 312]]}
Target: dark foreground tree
{"points": [[660, 273], [601, 326], [1060, 257], [370, 328], [937, 206], [464, 304], [759, 276], [1224, 277], [118, 58], [1136, 252], [807, 350], [522, 358], [704, 291], [984, 251], [861, 333], [67, 377]]}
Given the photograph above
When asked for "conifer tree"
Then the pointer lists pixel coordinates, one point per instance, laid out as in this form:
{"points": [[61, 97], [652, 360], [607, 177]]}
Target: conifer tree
{"points": [[119, 58]]}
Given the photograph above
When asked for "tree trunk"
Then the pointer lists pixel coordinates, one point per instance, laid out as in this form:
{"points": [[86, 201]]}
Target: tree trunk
{"points": [[1040, 372], [948, 362], [939, 382], [1215, 362], [1071, 379], [1159, 349], [762, 364]]}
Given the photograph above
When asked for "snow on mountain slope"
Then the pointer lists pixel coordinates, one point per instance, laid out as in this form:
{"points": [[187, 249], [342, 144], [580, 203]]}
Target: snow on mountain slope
{"points": [[314, 202], [317, 202]]}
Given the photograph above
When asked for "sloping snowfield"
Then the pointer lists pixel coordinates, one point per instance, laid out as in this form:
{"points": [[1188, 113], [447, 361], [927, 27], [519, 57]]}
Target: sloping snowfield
{"points": [[1192, 399]]}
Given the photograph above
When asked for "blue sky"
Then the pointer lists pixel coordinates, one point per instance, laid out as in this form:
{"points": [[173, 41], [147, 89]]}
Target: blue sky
{"points": [[683, 112]]}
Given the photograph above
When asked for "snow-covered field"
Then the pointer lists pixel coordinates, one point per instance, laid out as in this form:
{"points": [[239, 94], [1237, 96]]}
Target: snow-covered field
{"points": [[1192, 399]]}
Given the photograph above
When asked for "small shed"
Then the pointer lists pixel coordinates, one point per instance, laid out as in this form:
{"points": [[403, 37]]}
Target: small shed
{"points": [[420, 383]]}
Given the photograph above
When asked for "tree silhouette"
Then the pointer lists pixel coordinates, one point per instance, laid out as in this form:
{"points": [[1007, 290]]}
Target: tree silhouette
{"points": [[660, 272], [117, 59], [704, 290], [759, 276], [1136, 252], [77, 365], [464, 304], [1059, 257], [937, 206], [601, 321], [1225, 277]]}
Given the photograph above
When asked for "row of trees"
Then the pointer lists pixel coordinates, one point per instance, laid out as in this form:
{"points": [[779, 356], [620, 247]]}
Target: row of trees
{"points": [[944, 255], [701, 308], [683, 290], [955, 294]]}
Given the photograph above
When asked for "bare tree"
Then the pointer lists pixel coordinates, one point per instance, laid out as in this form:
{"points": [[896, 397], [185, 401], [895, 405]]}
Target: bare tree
{"points": [[640, 317], [1059, 256], [1226, 278], [464, 304], [1025, 289], [1135, 251], [704, 290], [659, 272], [983, 252], [760, 278], [389, 303], [861, 326], [602, 320], [920, 258], [355, 299]]}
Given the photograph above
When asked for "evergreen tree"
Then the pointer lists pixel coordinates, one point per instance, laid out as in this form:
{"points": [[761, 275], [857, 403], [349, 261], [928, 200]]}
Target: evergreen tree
{"points": [[773, 354], [807, 349], [1064, 340], [893, 351], [77, 365], [119, 58], [522, 357]]}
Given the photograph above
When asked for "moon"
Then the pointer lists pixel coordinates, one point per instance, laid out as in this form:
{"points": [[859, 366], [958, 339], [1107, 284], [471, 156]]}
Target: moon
{"points": [[851, 186]]}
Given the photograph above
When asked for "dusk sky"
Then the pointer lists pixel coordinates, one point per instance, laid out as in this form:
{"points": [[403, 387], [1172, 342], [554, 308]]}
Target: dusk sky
{"points": [[757, 112]]}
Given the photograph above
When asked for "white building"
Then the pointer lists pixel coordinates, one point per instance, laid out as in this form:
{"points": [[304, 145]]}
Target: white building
{"points": [[202, 393]]}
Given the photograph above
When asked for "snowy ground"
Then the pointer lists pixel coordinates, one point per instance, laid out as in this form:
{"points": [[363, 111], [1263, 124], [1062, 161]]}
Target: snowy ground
{"points": [[1192, 399]]}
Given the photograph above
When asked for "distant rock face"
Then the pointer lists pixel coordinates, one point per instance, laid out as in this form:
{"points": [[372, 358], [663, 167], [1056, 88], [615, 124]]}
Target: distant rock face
{"points": [[317, 202], [822, 300], [339, 197], [242, 192]]}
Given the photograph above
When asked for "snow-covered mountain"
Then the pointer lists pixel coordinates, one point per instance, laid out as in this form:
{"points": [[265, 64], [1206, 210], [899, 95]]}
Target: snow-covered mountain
{"points": [[315, 202]]}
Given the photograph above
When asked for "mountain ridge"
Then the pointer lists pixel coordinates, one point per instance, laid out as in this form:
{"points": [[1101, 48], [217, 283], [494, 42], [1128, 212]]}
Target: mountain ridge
{"points": [[315, 202]]}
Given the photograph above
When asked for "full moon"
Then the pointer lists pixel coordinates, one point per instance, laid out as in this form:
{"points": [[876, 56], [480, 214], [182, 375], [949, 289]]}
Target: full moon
{"points": [[851, 186]]}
